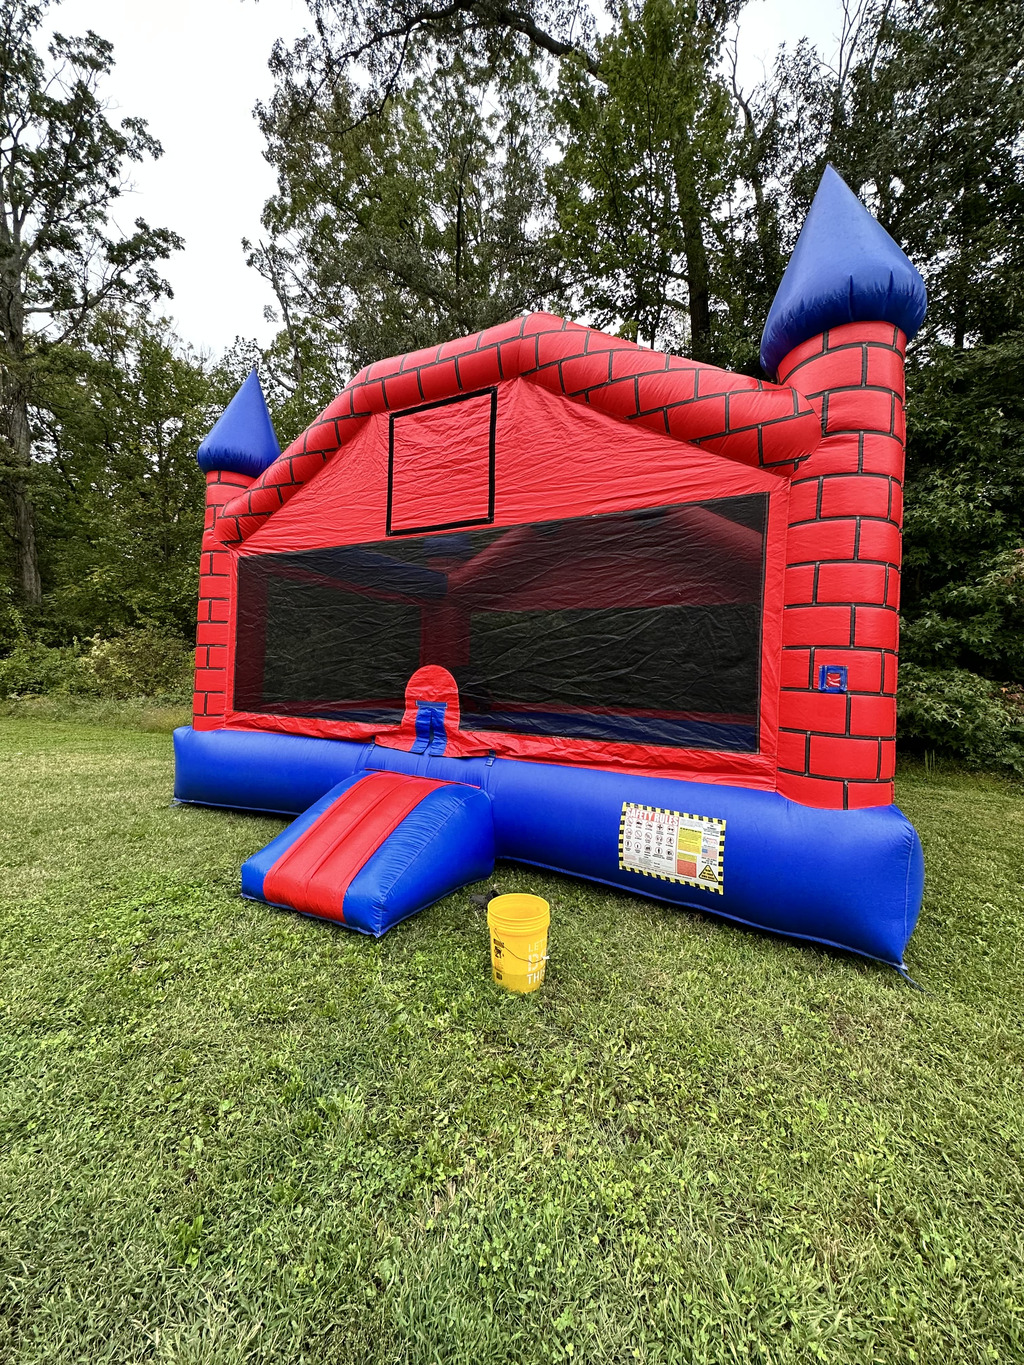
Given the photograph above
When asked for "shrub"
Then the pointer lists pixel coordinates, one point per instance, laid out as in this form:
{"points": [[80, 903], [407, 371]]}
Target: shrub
{"points": [[140, 663], [954, 712], [35, 670]]}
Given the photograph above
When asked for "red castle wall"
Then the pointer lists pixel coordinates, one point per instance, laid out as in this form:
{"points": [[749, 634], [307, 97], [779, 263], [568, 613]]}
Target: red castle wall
{"points": [[843, 571], [215, 592]]}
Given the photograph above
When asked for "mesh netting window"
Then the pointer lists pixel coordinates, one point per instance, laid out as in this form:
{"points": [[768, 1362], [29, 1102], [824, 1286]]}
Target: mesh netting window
{"points": [[634, 627]]}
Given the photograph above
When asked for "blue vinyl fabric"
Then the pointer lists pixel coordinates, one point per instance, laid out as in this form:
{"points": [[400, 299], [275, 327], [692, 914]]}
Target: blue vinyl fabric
{"points": [[845, 268], [223, 768], [848, 879], [445, 843], [242, 440], [431, 735]]}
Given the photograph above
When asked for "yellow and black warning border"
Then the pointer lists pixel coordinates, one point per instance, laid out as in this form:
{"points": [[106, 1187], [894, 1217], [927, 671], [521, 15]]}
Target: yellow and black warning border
{"points": [[718, 867]]}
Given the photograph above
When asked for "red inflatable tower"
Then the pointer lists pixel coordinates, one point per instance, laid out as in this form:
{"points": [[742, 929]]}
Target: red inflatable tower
{"points": [[841, 623], [238, 449], [837, 334]]}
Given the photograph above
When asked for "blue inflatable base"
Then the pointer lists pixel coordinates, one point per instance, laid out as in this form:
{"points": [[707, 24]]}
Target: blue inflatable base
{"points": [[845, 879]]}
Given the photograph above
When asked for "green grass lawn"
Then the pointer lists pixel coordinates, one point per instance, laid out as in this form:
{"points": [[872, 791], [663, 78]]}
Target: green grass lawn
{"points": [[230, 1134]]}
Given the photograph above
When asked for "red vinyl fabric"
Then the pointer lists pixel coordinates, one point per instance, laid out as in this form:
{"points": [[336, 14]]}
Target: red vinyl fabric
{"points": [[844, 550], [558, 522], [215, 626], [433, 686], [317, 870], [551, 459], [697, 556], [757, 771], [745, 420], [441, 470]]}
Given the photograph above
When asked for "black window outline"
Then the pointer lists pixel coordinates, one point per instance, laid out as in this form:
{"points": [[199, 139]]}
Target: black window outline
{"points": [[426, 407]]}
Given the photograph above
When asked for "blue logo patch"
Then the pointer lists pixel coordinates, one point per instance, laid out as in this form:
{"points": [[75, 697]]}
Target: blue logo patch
{"points": [[832, 678]]}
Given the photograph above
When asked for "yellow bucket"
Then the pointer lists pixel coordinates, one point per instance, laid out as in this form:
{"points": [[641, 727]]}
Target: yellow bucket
{"points": [[519, 940]]}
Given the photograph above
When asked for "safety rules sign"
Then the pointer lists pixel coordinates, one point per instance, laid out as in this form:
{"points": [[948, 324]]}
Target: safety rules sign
{"points": [[672, 845]]}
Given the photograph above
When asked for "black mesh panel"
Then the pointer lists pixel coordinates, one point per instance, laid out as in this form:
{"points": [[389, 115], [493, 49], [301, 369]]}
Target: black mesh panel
{"points": [[636, 627]]}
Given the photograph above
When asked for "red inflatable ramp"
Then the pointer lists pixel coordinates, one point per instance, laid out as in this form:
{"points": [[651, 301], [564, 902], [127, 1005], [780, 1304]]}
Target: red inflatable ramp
{"points": [[377, 848]]}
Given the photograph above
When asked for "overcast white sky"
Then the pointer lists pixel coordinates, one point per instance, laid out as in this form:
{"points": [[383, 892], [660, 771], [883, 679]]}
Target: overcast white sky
{"points": [[194, 69]]}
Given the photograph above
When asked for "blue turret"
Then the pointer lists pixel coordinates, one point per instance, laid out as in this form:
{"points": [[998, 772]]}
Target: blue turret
{"points": [[242, 440], [845, 268]]}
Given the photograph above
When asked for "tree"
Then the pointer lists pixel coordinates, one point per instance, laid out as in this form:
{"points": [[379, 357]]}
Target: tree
{"points": [[947, 170], [645, 134], [120, 497], [922, 113], [61, 256], [387, 37], [402, 220], [643, 127]]}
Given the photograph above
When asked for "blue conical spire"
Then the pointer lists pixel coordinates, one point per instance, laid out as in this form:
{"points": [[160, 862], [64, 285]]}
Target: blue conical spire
{"points": [[845, 268], [242, 439]]}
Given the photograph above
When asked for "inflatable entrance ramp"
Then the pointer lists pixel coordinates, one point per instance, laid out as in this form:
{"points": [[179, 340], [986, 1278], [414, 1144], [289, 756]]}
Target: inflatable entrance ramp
{"points": [[375, 849]]}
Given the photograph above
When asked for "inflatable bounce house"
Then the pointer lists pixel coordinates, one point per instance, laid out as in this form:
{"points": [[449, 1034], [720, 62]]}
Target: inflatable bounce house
{"points": [[541, 594]]}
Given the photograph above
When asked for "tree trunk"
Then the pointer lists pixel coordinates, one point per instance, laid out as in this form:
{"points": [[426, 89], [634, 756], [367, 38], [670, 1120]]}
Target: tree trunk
{"points": [[698, 284], [15, 432], [23, 514], [16, 438], [697, 289]]}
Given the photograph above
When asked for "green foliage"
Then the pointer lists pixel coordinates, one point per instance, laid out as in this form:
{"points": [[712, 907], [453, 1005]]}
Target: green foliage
{"points": [[62, 165], [277, 1141], [921, 113], [642, 174], [415, 207], [980, 621], [931, 130], [964, 577], [35, 669], [404, 220], [62, 254], [140, 663], [119, 495], [962, 638], [962, 716]]}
